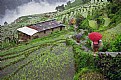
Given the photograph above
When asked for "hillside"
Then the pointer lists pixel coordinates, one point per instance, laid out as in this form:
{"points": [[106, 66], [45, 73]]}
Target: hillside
{"points": [[58, 56]]}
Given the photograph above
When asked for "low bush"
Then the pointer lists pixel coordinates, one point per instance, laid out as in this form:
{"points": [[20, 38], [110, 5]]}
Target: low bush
{"points": [[110, 66], [115, 46], [82, 59]]}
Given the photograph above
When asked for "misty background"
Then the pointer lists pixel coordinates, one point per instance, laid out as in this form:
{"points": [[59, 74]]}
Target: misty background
{"points": [[12, 9]]}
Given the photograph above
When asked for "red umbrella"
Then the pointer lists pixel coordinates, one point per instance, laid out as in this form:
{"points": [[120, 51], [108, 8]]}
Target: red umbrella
{"points": [[95, 36]]}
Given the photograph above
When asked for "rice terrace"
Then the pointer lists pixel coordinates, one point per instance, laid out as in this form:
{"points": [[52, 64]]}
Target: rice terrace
{"points": [[81, 40]]}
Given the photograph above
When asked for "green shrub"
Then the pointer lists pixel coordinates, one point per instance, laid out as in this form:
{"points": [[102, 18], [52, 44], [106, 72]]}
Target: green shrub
{"points": [[69, 41], [71, 27], [115, 46], [110, 66], [82, 58], [83, 70], [85, 25]]}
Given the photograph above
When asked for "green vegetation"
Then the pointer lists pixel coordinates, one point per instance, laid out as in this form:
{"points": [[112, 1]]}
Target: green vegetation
{"points": [[115, 45], [45, 63], [58, 56], [110, 66], [75, 3], [110, 37]]}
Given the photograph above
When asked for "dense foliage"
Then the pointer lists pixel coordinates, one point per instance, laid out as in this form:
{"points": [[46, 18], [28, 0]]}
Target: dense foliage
{"points": [[115, 46], [110, 66], [85, 58], [75, 3], [114, 10]]}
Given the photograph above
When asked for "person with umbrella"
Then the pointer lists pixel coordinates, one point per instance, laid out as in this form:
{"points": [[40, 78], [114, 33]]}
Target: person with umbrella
{"points": [[95, 37]]}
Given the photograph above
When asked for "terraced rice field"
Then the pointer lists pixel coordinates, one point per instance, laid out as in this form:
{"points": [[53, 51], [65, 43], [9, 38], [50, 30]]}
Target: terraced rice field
{"points": [[42, 64], [39, 60]]}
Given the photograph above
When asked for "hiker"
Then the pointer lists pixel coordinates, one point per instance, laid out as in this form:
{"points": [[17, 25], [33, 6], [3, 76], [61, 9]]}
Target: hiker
{"points": [[96, 45], [95, 37]]}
